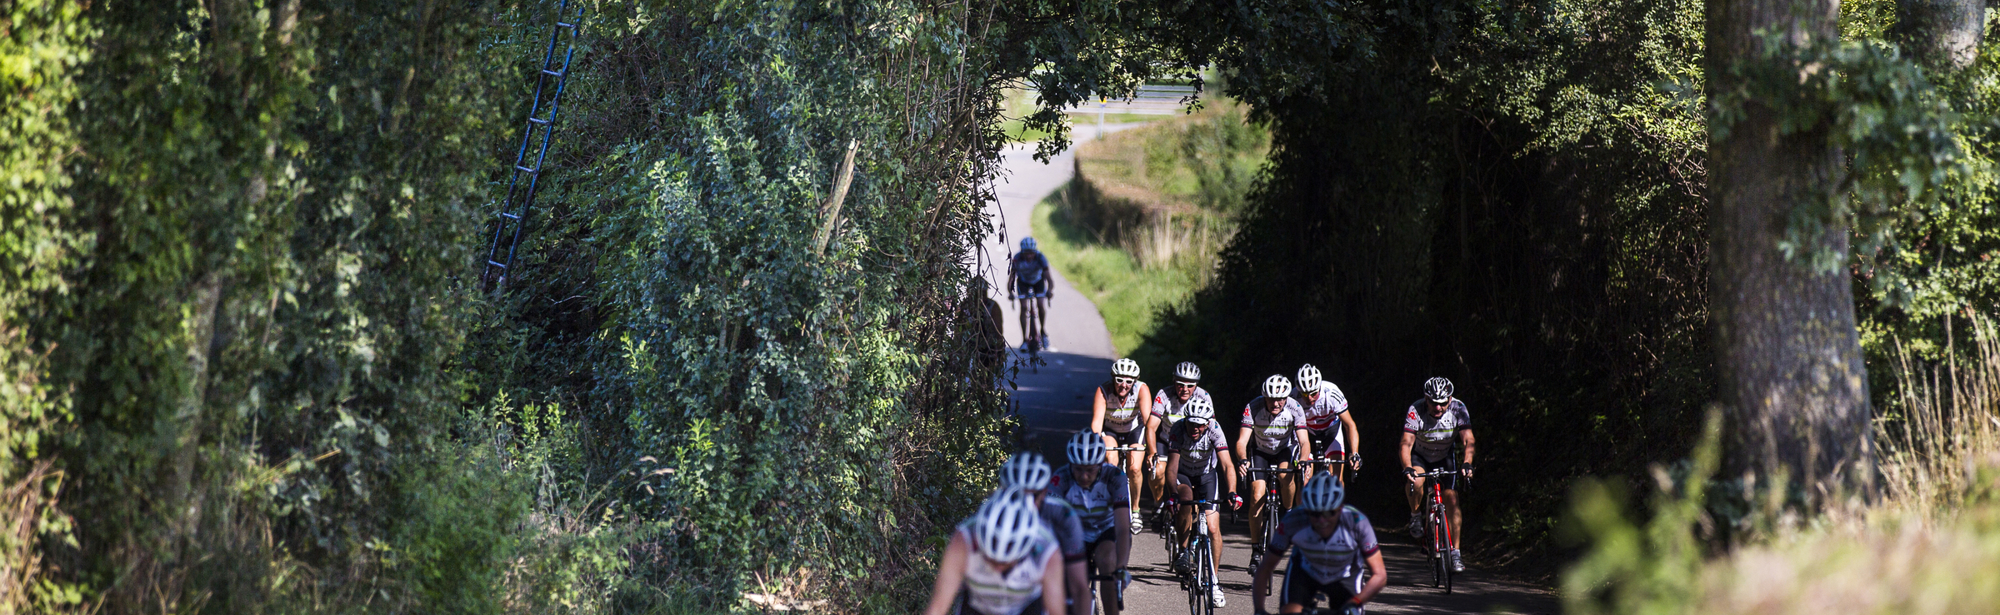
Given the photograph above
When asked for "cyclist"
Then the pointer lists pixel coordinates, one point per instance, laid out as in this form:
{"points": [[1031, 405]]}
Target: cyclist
{"points": [[1429, 430], [1331, 545], [1098, 490], [1028, 275], [1195, 452], [1005, 560], [1115, 411], [1278, 426], [1329, 426], [1169, 406], [1027, 476]]}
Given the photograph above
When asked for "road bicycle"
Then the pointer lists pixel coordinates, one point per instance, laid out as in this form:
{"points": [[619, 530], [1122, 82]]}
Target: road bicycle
{"points": [[1198, 577], [1437, 525], [1033, 344], [1272, 510], [1115, 452]]}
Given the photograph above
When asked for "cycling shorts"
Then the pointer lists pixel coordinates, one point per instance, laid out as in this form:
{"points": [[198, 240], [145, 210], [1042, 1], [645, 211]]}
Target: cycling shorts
{"points": [[1204, 486], [1327, 441], [1025, 288], [1301, 587], [1128, 438], [1259, 460], [1090, 542], [1448, 482], [1034, 607]]}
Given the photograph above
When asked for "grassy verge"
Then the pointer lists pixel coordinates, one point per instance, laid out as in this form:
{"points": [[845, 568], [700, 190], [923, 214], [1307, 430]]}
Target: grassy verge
{"points": [[1128, 295]]}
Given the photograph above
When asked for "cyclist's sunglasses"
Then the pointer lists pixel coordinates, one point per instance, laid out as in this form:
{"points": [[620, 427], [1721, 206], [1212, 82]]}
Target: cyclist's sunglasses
{"points": [[1124, 380], [1322, 514], [1183, 384]]}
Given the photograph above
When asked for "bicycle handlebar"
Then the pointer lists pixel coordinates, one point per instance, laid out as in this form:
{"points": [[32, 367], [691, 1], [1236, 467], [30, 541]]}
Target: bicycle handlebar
{"points": [[1132, 447], [1431, 473]]}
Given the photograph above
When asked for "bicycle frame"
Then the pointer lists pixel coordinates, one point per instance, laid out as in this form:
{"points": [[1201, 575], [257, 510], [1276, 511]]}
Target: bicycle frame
{"points": [[1271, 504], [1438, 527]]}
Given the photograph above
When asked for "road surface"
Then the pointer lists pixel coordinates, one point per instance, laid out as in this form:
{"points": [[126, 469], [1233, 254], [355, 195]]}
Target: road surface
{"points": [[1054, 401]]}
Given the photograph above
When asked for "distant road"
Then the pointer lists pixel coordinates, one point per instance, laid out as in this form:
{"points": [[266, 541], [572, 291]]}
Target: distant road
{"points": [[1054, 401]]}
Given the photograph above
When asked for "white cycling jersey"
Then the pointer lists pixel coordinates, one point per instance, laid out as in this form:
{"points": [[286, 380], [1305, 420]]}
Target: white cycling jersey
{"points": [[1273, 432], [1337, 558], [1121, 414], [991, 592], [1435, 434], [1324, 412], [1170, 409]]}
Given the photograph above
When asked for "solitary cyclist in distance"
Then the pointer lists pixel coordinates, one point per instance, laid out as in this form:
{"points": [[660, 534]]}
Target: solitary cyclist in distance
{"points": [[1331, 545], [1005, 560], [1196, 455], [1169, 407], [1027, 475], [1115, 411], [1278, 427], [1028, 275], [1100, 494], [1433, 424], [1329, 425]]}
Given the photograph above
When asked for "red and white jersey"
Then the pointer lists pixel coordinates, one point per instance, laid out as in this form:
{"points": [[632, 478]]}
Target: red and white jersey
{"points": [[1323, 412]]}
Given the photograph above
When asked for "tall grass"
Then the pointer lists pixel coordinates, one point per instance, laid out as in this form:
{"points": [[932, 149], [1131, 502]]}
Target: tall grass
{"points": [[1929, 543]]}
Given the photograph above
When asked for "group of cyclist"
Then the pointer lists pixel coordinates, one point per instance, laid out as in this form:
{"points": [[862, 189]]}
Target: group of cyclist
{"points": [[1032, 547]]}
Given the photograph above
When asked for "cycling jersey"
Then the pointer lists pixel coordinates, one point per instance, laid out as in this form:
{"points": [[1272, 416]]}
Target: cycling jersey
{"points": [[1339, 558], [1325, 411], [1065, 525], [1197, 455], [1170, 409], [991, 592], [1274, 433], [1121, 414], [1029, 266], [1435, 434], [1095, 504]]}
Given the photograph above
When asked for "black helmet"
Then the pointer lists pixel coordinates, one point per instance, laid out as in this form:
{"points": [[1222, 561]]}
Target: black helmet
{"points": [[1438, 389]]}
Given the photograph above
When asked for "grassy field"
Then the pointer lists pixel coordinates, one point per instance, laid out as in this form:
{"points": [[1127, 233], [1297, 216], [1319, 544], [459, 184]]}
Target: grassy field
{"points": [[1127, 294]]}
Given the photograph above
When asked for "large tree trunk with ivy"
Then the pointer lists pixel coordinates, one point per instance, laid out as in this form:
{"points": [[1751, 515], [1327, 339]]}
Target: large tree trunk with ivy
{"points": [[1943, 32], [1789, 358]]}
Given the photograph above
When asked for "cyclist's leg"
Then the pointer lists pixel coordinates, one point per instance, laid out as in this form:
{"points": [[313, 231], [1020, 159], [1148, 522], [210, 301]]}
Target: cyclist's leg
{"points": [[1135, 471], [1256, 500], [1184, 491], [1297, 592], [1415, 487], [1042, 302], [1156, 481], [1449, 485], [1105, 550], [1288, 485]]}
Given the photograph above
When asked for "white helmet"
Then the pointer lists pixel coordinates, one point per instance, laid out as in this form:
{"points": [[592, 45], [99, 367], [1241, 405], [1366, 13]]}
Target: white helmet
{"points": [[1322, 494], [1438, 389], [1005, 527], [1199, 409], [1027, 243], [1025, 470], [1277, 386], [1125, 367], [1086, 448], [1308, 379], [1187, 371]]}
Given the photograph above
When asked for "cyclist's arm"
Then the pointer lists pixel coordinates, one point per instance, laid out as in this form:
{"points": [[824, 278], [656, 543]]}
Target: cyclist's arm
{"points": [[1052, 584], [1260, 584], [1173, 468], [1226, 461], [1242, 443], [1305, 441], [1465, 439], [951, 575], [1377, 579], [1145, 400], [1409, 440], [1351, 433], [1152, 438], [1097, 410]]}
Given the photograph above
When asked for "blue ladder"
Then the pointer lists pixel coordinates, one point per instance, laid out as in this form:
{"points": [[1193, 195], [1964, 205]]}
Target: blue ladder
{"points": [[513, 215]]}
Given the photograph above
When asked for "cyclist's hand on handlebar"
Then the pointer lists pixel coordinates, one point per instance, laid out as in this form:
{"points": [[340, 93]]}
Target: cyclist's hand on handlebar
{"points": [[1235, 501], [1172, 502], [1354, 461], [1465, 472]]}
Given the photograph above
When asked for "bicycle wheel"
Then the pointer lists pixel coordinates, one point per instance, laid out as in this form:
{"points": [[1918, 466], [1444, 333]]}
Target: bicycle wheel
{"points": [[1196, 598], [1444, 559], [1438, 550], [1205, 570]]}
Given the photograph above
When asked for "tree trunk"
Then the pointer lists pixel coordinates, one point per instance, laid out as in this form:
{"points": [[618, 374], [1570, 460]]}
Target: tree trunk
{"points": [[1789, 356], [1943, 32]]}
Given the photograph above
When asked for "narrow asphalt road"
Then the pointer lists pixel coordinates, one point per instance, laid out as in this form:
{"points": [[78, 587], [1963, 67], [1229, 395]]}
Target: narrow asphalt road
{"points": [[1053, 400]]}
